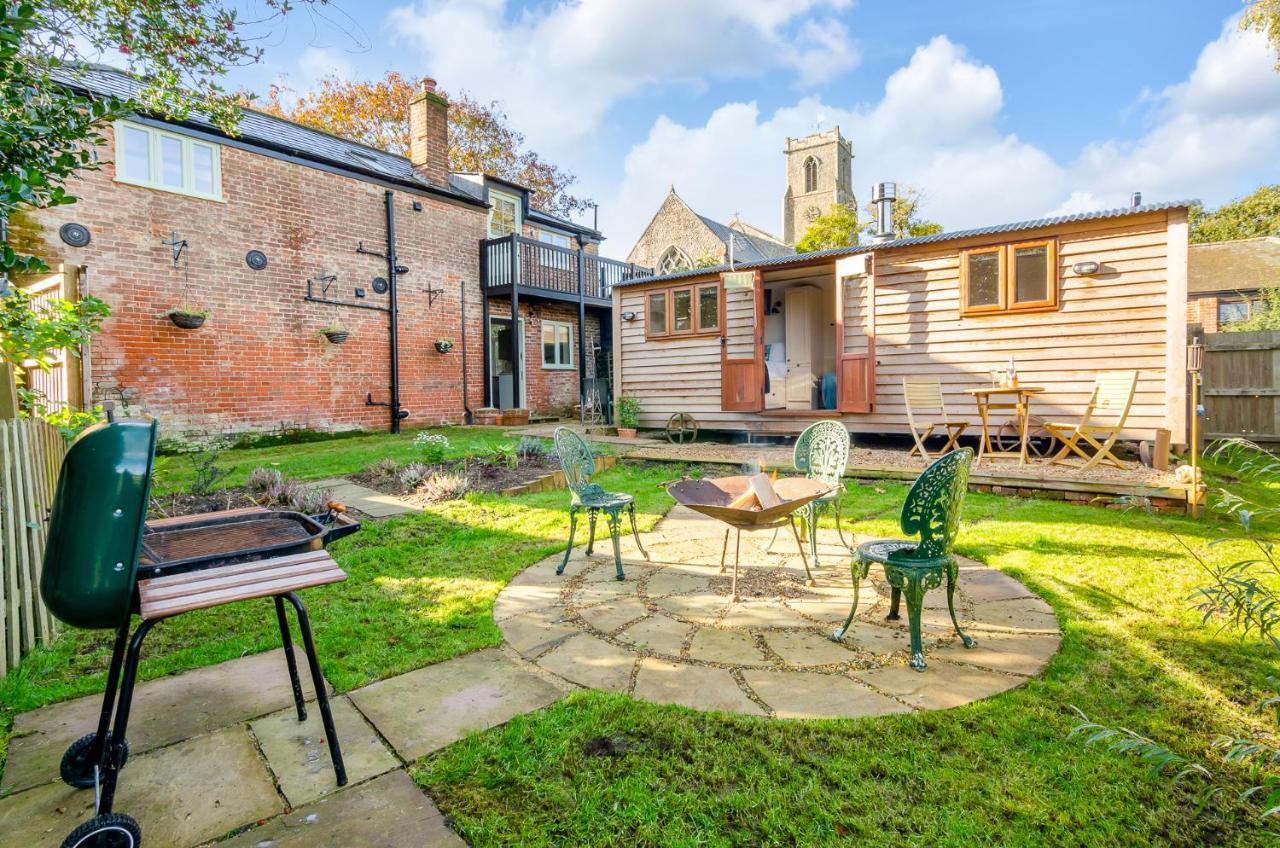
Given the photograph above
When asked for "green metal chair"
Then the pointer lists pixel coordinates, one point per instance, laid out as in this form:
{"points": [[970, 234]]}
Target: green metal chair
{"points": [[579, 463], [822, 453], [931, 511]]}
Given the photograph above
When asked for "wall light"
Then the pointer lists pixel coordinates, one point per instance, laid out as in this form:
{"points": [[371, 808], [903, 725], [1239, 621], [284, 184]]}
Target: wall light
{"points": [[1086, 269], [628, 316]]}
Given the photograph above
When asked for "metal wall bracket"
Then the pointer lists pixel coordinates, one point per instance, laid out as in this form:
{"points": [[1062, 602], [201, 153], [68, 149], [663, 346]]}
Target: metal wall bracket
{"points": [[432, 294], [177, 245]]}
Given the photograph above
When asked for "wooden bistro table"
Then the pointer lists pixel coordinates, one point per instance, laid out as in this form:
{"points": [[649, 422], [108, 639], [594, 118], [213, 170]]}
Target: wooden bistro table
{"points": [[1016, 398]]}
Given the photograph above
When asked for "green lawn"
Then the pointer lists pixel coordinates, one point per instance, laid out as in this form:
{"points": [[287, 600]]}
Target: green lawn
{"points": [[997, 772]]}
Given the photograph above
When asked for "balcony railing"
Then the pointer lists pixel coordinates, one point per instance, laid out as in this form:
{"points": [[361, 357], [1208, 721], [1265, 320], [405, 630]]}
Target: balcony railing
{"points": [[537, 265]]}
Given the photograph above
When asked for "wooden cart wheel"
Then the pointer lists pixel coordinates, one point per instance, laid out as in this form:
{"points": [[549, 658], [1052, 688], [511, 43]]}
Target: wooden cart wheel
{"points": [[1039, 440], [681, 428]]}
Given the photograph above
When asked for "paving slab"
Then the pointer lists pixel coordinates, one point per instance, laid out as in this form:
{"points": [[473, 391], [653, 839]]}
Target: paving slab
{"points": [[698, 686], [535, 633], [591, 662], [725, 646], [369, 501], [181, 795], [676, 582], [424, 710], [802, 694], [761, 615], [828, 611], [807, 647], [518, 600], [388, 812], [601, 591], [165, 710], [1016, 654], [877, 639], [298, 752], [940, 686], [700, 609], [658, 633], [612, 615], [988, 584], [1025, 615]]}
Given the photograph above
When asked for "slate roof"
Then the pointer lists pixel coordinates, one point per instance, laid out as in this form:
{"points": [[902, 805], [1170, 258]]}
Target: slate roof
{"points": [[475, 188], [277, 134], [837, 252], [746, 248]]}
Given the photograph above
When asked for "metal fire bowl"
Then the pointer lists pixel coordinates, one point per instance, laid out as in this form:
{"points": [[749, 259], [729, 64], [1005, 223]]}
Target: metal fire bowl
{"points": [[712, 497]]}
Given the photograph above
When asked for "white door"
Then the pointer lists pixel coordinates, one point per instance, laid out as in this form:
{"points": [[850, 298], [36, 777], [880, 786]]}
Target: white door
{"points": [[800, 308], [500, 363]]}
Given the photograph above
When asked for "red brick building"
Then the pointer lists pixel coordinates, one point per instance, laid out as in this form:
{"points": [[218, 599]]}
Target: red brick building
{"points": [[281, 231]]}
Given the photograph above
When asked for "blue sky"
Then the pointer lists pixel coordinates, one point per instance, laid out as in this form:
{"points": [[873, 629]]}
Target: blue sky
{"points": [[996, 110]]}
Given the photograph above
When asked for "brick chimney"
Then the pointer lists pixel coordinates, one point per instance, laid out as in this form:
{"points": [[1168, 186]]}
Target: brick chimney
{"points": [[429, 134]]}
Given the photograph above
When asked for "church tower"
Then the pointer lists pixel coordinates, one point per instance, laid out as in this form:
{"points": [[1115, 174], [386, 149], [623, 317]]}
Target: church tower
{"points": [[819, 175]]}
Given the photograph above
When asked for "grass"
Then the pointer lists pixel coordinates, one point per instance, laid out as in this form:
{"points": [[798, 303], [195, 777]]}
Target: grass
{"points": [[1001, 771]]}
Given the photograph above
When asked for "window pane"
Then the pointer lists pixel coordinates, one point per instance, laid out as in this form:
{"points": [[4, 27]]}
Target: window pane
{"points": [[566, 346], [134, 160], [202, 168], [1031, 272], [682, 310], [1231, 311], [708, 308], [548, 344], [984, 279], [170, 161], [657, 313]]}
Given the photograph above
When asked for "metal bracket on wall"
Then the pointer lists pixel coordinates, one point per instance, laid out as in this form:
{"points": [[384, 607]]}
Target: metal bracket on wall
{"points": [[177, 244], [325, 281], [432, 294]]}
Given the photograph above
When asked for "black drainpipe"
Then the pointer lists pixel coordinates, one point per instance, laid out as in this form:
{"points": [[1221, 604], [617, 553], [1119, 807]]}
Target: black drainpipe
{"points": [[393, 268], [468, 418]]}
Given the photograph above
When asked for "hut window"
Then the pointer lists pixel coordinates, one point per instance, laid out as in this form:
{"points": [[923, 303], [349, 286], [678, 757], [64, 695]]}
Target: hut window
{"points": [[1009, 278], [683, 311]]}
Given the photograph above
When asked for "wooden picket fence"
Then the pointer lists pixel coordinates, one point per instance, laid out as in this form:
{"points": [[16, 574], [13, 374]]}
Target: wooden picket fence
{"points": [[31, 454]]}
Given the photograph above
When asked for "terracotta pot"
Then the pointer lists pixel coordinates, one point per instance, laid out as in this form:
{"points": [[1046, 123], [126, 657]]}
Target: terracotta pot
{"points": [[488, 416], [626, 432], [186, 321], [515, 417]]}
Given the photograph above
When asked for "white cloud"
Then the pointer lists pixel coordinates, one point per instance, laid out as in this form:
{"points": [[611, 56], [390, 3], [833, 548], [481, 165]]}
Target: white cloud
{"points": [[559, 68], [318, 62], [936, 127]]}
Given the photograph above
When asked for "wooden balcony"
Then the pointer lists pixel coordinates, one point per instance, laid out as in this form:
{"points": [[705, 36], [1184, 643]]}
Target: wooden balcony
{"points": [[546, 271]]}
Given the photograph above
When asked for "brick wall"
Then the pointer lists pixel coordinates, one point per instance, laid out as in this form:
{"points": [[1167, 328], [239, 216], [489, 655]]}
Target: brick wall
{"points": [[1203, 312], [258, 363]]}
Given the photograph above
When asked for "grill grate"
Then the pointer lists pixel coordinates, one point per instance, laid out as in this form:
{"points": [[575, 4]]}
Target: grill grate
{"points": [[229, 539]]}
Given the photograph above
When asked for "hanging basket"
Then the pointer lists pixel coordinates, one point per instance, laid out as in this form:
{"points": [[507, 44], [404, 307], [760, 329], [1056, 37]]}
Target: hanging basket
{"points": [[444, 345], [336, 336], [187, 320]]}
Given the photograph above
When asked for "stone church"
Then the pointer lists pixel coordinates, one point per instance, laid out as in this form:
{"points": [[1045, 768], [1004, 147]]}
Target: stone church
{"points": [[819, 175]]}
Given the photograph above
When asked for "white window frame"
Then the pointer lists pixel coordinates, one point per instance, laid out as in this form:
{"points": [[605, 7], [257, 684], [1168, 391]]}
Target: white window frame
{"points": [[154, 134], [555, 237], [555, 326], [517, 216]]}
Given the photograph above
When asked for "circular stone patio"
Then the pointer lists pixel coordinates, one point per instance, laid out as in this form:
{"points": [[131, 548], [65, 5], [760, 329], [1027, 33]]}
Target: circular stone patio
{"points": [[670, 633]]}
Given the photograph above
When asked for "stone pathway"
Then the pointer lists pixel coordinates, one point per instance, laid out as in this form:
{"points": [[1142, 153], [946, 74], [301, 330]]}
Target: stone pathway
{"points": [[672, 634], [369, 501], [219, 751]]}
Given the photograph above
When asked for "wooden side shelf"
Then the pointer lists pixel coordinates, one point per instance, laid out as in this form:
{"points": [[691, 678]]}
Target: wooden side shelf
{"points": [[161, 597]]}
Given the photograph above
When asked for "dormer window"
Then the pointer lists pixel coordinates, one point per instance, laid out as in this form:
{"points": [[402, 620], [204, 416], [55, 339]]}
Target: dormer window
{"points": [[504, 214]]}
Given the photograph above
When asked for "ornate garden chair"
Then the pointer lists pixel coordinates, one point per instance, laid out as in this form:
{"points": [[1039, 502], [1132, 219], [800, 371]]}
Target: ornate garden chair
{"points": [[822, 453], [932, 511], [579, 463]]}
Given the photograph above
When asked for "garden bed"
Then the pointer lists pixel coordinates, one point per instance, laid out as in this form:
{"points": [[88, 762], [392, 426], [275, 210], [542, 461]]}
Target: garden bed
{"points": [[483, 474]]}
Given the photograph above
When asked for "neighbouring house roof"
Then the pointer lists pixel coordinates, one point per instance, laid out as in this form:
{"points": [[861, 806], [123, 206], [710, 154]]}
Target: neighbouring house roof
{"points": [[1241, 265], [276, 134], [837, 252]]}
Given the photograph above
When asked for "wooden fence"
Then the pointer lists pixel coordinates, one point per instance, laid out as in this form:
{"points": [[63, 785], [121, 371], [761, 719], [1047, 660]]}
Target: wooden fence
{"points": [[31, 454], [1242, 386]]}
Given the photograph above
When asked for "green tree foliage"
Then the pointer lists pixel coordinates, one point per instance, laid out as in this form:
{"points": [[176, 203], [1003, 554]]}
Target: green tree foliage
{"points": [[906, 214], [837, 228], [1264, 16], [1257, 214], [1263, 316], [707, 260]]}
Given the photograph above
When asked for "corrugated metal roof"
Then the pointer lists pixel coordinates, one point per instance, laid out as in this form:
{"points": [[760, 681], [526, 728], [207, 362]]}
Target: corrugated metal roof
{"points": [[837, 252], [274, 133]]}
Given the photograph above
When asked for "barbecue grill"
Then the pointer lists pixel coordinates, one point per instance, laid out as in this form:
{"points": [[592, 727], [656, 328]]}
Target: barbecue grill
{"points": [[104, 563]]}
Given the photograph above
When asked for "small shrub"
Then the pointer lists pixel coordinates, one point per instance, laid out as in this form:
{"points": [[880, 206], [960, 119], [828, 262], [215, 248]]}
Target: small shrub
{"points": [[432, 446], [207, 473], [412, 475], [505, 453], [531, 447], [263, 478], [628, 412], [385, 467], [444, 487], [311, 500], [281, 491]]}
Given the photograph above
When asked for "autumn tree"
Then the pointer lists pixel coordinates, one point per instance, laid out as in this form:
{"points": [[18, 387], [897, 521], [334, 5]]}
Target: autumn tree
{"points": [[906, 215], [837, 228], [1254, 215], [1263, 16], [375, 112]]}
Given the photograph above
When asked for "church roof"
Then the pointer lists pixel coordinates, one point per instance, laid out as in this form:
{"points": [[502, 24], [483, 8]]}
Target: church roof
{"points": [[747, 247]]}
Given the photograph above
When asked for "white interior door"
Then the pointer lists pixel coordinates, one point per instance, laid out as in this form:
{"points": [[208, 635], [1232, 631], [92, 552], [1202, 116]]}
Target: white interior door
{"points": [[799, 308]]}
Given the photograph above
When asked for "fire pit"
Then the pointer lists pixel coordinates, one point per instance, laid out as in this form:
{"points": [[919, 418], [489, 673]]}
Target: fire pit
{"points": [[750, 502]]}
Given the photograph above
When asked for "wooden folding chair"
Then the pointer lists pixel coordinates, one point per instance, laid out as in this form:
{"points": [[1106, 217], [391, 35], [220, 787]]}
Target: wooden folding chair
{"points": [[924, 393], [1103, 419]]}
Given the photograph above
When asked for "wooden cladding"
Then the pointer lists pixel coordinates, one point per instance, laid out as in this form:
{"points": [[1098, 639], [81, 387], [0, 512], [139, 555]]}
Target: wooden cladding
{"points": [[742, 349], [1020, 277], [681, 311]]}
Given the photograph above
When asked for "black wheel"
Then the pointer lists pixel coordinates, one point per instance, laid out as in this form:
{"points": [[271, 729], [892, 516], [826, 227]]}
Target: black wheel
{"points": [[114, 830], [77, 767], [682, 428]]}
